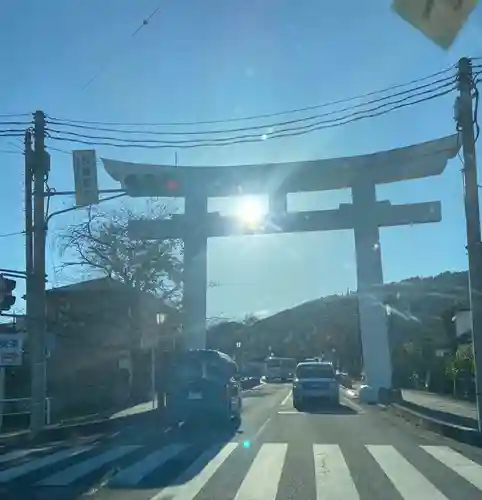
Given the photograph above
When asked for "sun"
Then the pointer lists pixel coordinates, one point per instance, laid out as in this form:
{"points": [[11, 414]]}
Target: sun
{"points": [[250, 212]]}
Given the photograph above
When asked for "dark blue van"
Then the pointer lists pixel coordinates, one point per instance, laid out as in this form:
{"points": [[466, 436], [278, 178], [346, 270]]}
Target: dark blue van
{"points": [[201, 385]]}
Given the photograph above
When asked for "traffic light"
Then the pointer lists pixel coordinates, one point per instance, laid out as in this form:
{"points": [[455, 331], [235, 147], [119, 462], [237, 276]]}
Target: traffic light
{"points": [[147, 180], [7, 299]]}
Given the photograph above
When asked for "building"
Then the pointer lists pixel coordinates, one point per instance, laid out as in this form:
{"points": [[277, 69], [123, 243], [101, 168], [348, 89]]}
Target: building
{"points": [[103, 333], [463, 326]]}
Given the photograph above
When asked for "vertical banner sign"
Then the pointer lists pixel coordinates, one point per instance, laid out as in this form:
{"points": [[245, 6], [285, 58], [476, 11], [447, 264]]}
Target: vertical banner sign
{"points": [[11, 345], [439, 20], [85, 178]]}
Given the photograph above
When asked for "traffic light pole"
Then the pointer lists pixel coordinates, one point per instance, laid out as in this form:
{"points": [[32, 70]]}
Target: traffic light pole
{"points": [[37, 306], [465, 119]]}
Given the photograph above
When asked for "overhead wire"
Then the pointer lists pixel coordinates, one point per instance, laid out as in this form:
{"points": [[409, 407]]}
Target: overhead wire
{"points": [[8, 235], [14, 115], [265, 115], [11, 132], [289, 131], [70, 124], [144, 23]]}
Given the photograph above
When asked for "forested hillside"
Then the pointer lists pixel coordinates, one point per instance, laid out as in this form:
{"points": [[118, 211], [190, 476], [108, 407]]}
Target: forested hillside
{"points": [[420, 312]]}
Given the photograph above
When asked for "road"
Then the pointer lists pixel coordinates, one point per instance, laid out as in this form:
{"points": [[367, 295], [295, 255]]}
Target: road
{"points": [[345, 453]]}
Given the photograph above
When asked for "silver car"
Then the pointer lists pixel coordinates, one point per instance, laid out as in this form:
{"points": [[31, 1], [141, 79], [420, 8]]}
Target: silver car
{"points": [[315, 381]]}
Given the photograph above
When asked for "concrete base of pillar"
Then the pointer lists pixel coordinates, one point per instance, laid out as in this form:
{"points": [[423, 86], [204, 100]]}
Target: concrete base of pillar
{"points": [[382, 395]]}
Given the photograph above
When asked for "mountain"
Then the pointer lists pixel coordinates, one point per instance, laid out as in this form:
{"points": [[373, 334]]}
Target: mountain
{"points": [[420, 313]]}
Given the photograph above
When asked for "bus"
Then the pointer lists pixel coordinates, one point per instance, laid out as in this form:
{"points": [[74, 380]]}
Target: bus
{"points": [[282, 369]]}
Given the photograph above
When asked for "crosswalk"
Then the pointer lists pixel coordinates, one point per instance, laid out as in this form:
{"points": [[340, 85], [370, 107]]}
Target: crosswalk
{"points": [[184, 471]]}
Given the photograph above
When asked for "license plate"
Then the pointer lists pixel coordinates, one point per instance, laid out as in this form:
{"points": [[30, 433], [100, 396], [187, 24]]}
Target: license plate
{"points": [[319, 386], [195, 395]]}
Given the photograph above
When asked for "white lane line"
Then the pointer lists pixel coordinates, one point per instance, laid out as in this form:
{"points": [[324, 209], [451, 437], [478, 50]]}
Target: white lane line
{"points": [[286, 399], [289, 412], [71, 474], [33, 465], [471, 471], [409, 482], [332, 476], [135, 473], [261, 429], [191, 481], [262, 480]]}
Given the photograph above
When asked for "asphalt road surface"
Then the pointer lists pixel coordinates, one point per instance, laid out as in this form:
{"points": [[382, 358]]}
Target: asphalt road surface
{"points": [[344, 453]]}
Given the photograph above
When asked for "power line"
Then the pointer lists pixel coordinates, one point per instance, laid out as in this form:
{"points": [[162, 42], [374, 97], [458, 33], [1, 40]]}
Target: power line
{"points": [[71, 124], [15, 123], [15, 115], [287, 132], [144, 23], [12, 132], [7, 151], [273, 126], [8, 235], [265, 115]]}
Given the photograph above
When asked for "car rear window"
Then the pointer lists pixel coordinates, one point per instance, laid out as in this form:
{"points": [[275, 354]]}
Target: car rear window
{"points": [[188, 369], [315, 371]]}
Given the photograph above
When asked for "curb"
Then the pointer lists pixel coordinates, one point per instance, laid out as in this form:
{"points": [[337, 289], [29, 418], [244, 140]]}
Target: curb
{"points": [[71, 431], [460, 433], [82, 429]]}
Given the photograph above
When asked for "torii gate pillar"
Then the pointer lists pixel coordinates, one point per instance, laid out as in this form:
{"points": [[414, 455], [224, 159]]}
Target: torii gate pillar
{"points": [[195, 272], [371, 310]]}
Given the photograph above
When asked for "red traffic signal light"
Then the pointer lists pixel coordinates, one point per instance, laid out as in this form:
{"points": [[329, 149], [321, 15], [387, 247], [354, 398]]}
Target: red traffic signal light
{"points": [[172, 185], [152, 185]]}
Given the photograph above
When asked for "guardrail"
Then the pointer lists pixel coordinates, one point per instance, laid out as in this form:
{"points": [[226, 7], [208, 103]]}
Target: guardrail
{"points": [[21, 406]]}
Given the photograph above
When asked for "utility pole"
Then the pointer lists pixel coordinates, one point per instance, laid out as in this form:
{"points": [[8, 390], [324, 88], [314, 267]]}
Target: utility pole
{"points": [[28, 224], [465, 124], [37, 307]]}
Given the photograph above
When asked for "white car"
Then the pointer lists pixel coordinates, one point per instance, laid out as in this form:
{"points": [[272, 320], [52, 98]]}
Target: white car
{"points": [[315, 381]]}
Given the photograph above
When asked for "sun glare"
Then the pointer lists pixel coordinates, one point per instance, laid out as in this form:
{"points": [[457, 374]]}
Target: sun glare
{"points": [[250, 212]]}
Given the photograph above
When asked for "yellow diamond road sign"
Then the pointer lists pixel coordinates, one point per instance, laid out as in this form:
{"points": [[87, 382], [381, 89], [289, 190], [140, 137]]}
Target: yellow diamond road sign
{"points": [[439, 20]]}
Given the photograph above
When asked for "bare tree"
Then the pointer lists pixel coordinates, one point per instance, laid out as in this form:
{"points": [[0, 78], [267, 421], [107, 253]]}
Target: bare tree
{"points": [[101, 246], [250, 320]]}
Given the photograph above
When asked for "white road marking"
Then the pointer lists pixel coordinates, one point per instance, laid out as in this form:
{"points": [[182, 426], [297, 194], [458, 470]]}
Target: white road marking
{"points": [[135, 473], [409, 482], [33, 465], [192, 481], [332, 476], [463, 466], [261, 429], [262, 480], [286, 399], [71, 474], [289, 412]]}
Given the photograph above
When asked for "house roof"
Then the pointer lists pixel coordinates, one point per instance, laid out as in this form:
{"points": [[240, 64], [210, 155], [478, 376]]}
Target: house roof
{"points": [[105, 283], [108, 284]]}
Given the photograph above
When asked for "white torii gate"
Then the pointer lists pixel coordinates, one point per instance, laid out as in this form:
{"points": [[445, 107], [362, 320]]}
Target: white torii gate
{"points": [[365, 215]]}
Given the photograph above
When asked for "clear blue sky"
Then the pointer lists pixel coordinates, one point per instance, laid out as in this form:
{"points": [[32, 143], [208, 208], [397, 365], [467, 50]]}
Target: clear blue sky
{"points": [[214, 59]]}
